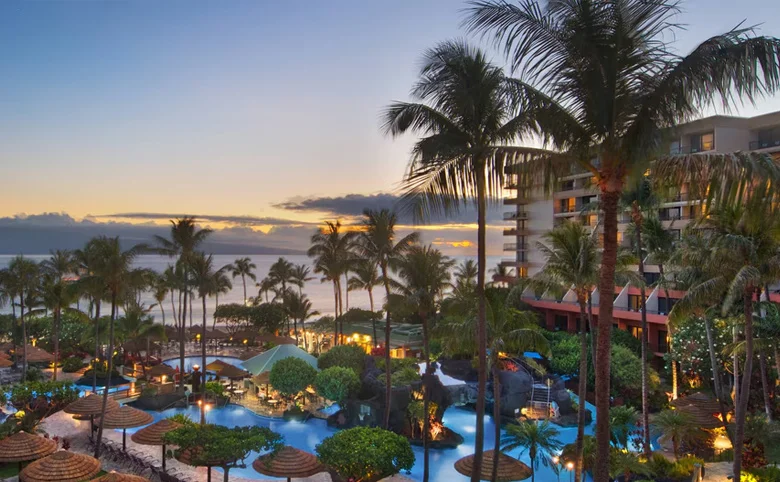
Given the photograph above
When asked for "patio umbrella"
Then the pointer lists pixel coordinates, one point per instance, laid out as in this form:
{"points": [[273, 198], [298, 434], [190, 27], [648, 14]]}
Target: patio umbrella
{"points": [[699, 400], [62, 466], [216, 365], [276, 340], [126, 417], [288, 462], [153, 435], [89, 406], [116, 477], [702, 418], [508, 468], [36, 355], [5, 363], [233, 373], [23, 447]]}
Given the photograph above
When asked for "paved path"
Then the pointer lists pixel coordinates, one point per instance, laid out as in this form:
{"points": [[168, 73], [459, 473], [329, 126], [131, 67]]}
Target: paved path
{"points": [[717, 471]]}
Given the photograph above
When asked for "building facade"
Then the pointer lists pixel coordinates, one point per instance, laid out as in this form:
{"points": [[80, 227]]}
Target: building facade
{"points": [[531, 214]]}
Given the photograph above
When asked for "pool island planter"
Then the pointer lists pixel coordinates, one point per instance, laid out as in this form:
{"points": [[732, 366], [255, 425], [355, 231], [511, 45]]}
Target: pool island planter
{"points": [[449, 439]]}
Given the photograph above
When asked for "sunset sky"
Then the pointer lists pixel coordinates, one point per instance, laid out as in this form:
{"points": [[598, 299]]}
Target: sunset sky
{"points": [[258, 115]]}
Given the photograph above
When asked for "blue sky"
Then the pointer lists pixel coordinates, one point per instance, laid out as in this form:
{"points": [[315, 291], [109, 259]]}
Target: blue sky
{"points": [[225, 108]]}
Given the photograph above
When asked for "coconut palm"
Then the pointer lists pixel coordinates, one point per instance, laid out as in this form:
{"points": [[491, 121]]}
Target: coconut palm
{"points": [[60, 263], [539, 438], [203, 278], [222, 286], [114, 270], [603, 85], [379, 245], [500, 274], [331, 249], [266, 285], [466, 273], [57, 296], [572, 262], [23, 274], [298, 307], [185, 238], [465, 112], [282, 272], [88, 261], [137, 326], [366, 277], [424, 274], [245, 268], [625, 463], [622, 421], [301, 276], [159, 292], [676, 427]]}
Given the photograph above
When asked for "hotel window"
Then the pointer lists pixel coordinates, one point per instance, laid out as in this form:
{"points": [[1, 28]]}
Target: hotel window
{"points": [[561, 322], [665, 304], [769, 137], [663, 341], [634, 303], [652, 278], [636, 332], [567, 185], [568, 205], [675, 148], [703, 142]]}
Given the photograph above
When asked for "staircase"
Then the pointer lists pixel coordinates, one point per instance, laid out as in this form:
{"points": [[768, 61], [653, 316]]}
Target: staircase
{"points": [[539, 404]]}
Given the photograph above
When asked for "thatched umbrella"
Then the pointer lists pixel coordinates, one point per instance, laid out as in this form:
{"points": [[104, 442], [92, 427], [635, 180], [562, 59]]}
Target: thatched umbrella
{"points": [[90, 406], [701, 418], [288, 462], [116, 477], [124, 418], [161, 370], [233, 373], [699, 400], [276, 340], [23, 447], [508, 468], [62, 466], [5, 363], [37, 355], [153, 435], [216, 365], [216, 334]]}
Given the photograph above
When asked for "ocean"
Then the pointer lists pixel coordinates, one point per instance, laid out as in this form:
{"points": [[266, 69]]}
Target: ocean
{"points": [[320, 294]]}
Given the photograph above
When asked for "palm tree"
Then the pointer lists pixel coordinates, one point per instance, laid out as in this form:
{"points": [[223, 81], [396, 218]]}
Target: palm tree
{"points": [[204, 280], [222, 286], [677, 427], [60, 263], [282, 272], [138, 326], [745, 248], [625, 463], [301, 276], [244, 267], [366, 277], [266, 286], [539, 438], [88, 260], [299, 308], [331, 249], [622, 421], [466, 113], [114, 271], [466, 273], [500, 273], [23, 275], [508, 331], [185, 239], [57, 296], [604, 85], [160, 291], [425, 274], [572, 262], [378, 245]]}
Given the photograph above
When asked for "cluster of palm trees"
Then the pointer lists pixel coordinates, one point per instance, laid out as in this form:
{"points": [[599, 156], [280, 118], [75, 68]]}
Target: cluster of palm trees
{"points": [[602, 87]]}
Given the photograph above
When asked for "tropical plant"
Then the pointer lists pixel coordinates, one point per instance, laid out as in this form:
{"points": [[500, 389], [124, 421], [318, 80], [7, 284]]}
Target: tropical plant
{"points": [[331, 250], [56, 295], [23, 276], [466, 273], [366, 454], [678, 428], [245, 268], [538, 438], [626, 463], [300, 276], [203, 279], [603, 86], [346, 356], [290, 376], [336, 383], [622, 421], [298, 307], [266, 285], [366, 277]]}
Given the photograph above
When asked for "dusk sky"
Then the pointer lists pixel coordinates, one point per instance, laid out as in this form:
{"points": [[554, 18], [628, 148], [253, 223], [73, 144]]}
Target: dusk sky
{"points": [[226, 109]]}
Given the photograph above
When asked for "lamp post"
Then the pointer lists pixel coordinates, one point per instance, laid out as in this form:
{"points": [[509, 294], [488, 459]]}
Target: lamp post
{"points": [[570, 467]]}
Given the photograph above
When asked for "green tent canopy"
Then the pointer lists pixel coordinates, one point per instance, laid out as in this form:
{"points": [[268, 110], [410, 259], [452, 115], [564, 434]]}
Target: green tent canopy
{"points": [[266, 360]]}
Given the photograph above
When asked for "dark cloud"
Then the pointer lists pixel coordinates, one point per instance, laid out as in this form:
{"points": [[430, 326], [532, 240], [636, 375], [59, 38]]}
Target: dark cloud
{"points": [[354, 204], [239, 220]]}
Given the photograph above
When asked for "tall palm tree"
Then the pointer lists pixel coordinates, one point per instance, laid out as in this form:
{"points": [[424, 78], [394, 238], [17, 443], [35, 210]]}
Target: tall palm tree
{"points": [[282, 272], [203, 277], [424, 273], [114, 271], [378, 244], [539, 438], [266, 285], [366, 277], [185, 239], [137, 326], [24, 277], [298, 307], [572, 262], [60, 263], [746, 247], [466, 273], [603, 86], [245, 268], [159, 292], [222, 286], [301, 276], [89, 260], [57, 295], [465, 111], [331, 249]]}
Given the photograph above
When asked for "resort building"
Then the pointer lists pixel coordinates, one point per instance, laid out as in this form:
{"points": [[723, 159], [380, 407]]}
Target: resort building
{"points": [[532, 214]]}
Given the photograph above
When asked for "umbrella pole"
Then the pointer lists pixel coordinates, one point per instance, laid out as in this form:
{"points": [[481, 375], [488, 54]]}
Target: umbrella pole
{"points": [[163, 457], [209, 476], [124, 439]]}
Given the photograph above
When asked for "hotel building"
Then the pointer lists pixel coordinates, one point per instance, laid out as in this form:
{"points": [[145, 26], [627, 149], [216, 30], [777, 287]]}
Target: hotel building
{"points": [[530, 214]]}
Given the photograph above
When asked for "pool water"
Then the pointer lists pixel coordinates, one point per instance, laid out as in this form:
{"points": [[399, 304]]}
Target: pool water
{"points": [[189, 361], [306, 436]]}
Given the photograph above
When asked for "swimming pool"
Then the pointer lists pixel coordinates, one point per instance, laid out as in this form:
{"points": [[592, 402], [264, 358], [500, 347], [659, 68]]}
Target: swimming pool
{"points": [[306, 436], [197, 360]]}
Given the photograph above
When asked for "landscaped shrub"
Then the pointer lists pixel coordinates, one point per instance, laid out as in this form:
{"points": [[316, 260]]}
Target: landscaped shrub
{"points": [[765, 474], [396, 364], [34, 374], [684, 467], [181, 419], [366, 454], [215, 388], [57, 394], [347, 356], [336, 383], [292, 375], [72, 364], [405, 376]]}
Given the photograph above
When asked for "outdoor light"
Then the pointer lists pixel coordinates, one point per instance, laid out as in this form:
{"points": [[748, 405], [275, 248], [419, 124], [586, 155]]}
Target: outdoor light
{"points": [[200, 402], [164, 377], [556, 459], [570, 466], [196, 367], [246, 341]]}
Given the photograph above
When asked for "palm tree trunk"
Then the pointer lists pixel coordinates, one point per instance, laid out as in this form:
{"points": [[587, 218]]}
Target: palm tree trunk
{"points": [[182, 341], [388, 382], [735, 340], [295, 329], [716, 380], [56, 333], [644, 348], [24, 338], [335, 314], [426, 399], [764, 384], [162, 310], [216, 305], [373, 318], [110, 368], [675, 375], [582, 389], [777, 361], [744, 392], [481, 323], [97, 346], [203, 364], [243, 280], [346, 291], [341, 307], [592, 337], [609, 202], [496, 418], [191, 297]]}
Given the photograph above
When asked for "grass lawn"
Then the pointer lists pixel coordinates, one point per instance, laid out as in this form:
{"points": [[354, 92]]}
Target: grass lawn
{"points": [[8, 470]]}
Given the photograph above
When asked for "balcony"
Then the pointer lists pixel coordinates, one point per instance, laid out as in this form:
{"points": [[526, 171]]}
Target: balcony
{"points": [[515, 215], [764, 144], [679, 197], [664, 216], [678, 150], [517, 232], [515, 246]]}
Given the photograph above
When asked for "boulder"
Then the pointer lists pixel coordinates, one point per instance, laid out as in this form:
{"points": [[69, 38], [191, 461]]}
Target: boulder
{"points": [[515, 391], [460, 369]]}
